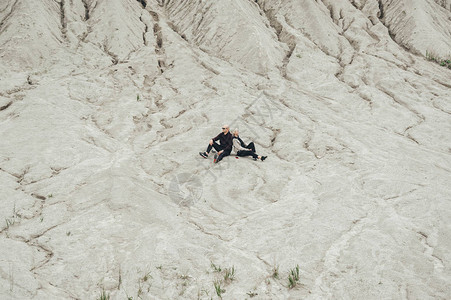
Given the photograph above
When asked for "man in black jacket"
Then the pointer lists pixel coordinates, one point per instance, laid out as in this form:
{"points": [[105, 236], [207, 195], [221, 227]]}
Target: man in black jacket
{"points": [[224, 147]]}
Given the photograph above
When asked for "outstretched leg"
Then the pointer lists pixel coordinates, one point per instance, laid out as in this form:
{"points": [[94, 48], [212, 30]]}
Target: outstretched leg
{"points": [[254, 155], [247, 153]]}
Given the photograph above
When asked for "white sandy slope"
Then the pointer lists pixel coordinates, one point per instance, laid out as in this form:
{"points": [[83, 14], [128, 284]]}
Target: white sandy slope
{"points": [[104, 103]]}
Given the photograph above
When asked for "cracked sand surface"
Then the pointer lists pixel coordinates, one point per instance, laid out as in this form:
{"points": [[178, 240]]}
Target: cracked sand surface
{"points": [[103, 103]]}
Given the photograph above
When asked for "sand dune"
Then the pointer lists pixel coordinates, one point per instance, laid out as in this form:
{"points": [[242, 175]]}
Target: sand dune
{"points": [[104, 106]]}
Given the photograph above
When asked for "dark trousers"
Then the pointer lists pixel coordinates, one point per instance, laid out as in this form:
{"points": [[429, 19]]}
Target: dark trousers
{"points": [[248, 152], [219, 148]]}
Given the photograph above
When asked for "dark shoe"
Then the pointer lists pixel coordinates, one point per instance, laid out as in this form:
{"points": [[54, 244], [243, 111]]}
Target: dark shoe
{"points": [[215, 157], [255, 158], [203, 154], [263, 158]]}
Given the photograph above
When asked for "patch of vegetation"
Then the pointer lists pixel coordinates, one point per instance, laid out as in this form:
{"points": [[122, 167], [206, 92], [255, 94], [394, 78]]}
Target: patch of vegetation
{"points": [[120, 280], [184, 277], [104, 296], [201, 293], [184, 284], [275, 272], [140, 290], [216, 268], [219, 290], [146, 277], [144, 284], [251, 294], [9, 222], [229, 274], [444, 62], [293, 277]]}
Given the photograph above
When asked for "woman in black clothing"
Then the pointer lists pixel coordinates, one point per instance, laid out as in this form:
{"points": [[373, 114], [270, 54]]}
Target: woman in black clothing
{"points": [[241, 149]]}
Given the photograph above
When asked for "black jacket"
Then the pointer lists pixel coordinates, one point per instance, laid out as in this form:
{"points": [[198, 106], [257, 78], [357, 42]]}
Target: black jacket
{"points": [[225, 140]]}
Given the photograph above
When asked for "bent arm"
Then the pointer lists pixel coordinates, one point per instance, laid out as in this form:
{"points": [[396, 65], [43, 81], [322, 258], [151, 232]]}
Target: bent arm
{"points": [[237, 145]]}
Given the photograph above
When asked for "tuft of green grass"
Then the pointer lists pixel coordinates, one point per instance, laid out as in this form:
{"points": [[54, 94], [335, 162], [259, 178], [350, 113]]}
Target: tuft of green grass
{"points": [[9, 222], [140, 291], [229, 274], [432, 56], [144, 282], [137, 97], [68, 233], [104, 296], [293, 277], [219, 290], [275, 272], [184, 277], [216, 268], [251, 294], [201, 292], [146, 277], [120, 280]]}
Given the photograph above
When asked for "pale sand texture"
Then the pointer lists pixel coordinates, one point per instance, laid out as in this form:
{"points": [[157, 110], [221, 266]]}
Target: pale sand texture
{"points": [[105, 104]]}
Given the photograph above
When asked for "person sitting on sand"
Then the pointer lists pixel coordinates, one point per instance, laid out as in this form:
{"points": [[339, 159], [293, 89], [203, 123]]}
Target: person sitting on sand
{"points": [[241, 149], [224, 148]]}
